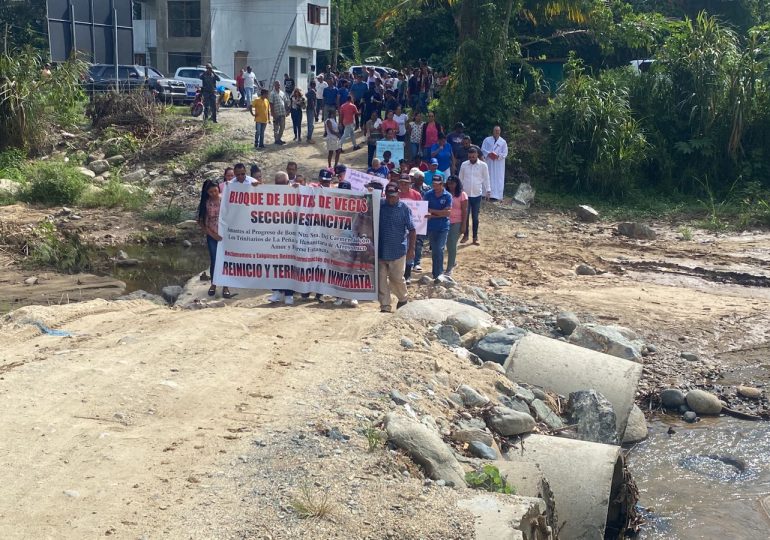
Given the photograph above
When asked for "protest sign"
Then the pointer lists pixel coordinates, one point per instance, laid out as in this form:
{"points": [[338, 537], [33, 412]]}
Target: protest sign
{"points": [[307, 239], [396, 149], [418, 209], [358, 180]]}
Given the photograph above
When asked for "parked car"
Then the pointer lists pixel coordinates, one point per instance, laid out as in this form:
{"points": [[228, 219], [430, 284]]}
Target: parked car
{"points": [[101, 78], [192, 78], [361, 70]]}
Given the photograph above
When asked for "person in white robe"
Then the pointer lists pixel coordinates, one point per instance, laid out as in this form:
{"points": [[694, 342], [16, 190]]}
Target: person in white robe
{"points": [[495, 150]]}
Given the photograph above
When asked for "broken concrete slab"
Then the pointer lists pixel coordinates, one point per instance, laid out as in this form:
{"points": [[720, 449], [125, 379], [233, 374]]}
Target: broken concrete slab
{"points": [[437, 310], [615, 340], [505, 517]]}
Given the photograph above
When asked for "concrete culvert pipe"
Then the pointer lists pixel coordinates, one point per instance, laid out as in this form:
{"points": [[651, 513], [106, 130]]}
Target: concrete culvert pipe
{"points": [[587, 480], [563, 368]]}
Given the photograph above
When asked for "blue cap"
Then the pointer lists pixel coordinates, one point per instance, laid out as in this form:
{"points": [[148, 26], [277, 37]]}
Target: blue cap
{"points": [[434, 161]]}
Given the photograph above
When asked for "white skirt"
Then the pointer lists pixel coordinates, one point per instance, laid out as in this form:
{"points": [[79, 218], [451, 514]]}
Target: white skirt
{"points": [[332, 143]]}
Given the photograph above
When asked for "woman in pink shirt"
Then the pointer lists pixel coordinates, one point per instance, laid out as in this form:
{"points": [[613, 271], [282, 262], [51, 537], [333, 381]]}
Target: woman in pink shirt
{"points": [[430, 132], [389, 123], [208, 219], [457, 218]]}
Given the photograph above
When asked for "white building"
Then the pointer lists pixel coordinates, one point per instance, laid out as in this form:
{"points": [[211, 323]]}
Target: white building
{"points": [[232, 34]]}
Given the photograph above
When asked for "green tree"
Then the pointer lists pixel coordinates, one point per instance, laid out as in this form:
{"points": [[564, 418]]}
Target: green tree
{"points": [[24, 23]]}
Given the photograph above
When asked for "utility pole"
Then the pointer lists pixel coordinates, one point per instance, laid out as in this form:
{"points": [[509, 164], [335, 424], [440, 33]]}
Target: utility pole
{"points": [[336, 36]]}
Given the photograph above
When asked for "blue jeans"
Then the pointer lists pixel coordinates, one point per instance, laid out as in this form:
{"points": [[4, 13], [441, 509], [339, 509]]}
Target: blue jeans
{"points": [[451, 245], [474, 205], [249, 92], [370, 151], [437, 243], [259, 134], [418, 248], [310, 122], [212, 245], [414, 150]]}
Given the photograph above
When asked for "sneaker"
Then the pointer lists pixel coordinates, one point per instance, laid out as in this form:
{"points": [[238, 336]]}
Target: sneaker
{"points": [[289, 300], [275, 297], [384, 309], [448, 273], [408, 281], [338, 302], [401, 304], [417, 268], [354, 302]]}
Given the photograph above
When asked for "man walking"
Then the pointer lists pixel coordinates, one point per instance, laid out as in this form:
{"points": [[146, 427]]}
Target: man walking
{"points": [[278, 107], [358, 91], [439, 209], [260, 110], [495, 150], [330, 95], [288, 84], [348, 118], [249, 82], [474, 175], [312, 103], [396, 245], [209, 81]]}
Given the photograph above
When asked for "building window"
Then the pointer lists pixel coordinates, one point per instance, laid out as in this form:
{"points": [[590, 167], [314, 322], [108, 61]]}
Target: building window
{"points": [[303, 66], [184, 18], [182, 59], [317, 14], [292, 67]]}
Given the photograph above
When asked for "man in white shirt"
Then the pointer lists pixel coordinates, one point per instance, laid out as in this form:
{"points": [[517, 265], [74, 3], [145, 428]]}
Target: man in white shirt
{"points": [[321, 85], [495, 150], [249, 82], [474, 175]]}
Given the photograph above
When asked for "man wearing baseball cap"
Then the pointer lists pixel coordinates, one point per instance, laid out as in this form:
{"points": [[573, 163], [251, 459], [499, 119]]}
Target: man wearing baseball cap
{"points": [[324, 179], [439, 209], [418, 180], [396, 245], [433, 171]]}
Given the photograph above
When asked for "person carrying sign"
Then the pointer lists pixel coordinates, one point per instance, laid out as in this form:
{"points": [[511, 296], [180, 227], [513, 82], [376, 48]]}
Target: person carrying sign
{"points": [[396, 245]]}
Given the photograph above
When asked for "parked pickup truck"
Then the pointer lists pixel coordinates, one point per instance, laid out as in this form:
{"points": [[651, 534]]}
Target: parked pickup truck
{"points": [[101, 78]]}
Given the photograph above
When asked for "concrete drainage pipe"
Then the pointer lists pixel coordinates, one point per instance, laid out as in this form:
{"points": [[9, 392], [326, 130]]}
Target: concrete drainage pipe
{"points": [[587, 480], [563, 368]]}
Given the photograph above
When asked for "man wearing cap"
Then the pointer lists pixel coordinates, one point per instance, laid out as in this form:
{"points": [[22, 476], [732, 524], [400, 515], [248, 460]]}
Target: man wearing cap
{"points": [[474, 175], [324, 179], [405, 192], [433, 171], [439, 209], [418, 180], [209, 81], [340, 171], [396, 245]]}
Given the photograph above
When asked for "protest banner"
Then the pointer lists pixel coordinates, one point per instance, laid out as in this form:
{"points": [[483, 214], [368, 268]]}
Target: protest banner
{"points": [[418, 209], [307, 239], [396, 149], [358, 180]]}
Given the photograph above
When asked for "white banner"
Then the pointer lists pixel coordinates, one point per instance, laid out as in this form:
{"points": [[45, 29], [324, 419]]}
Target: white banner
{"points": [[358, 180], [396, 149], [306, 239], [419, 211]]}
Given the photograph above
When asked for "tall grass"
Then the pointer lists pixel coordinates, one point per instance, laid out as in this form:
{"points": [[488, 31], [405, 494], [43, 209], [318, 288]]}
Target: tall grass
{"points": [[52, 183]]}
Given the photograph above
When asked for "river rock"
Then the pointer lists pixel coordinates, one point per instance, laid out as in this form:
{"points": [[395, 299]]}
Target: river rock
{"points": [[587, 214], [437, 311], [447, 334], [472, 398], [498, 282], [99, 166], [464, 322], [426, 448], [639, 231], [566, 322], [494, 366], [615, 340], [702, 402], [690, 356], [508, 422], [585, 270], [636, 428], [481, 450], [594, 416], [672, 398], [171, 292], [117, 159], [135, 176], [472, 434], [398, 398], [94, 156], [514, 403], [496, 347], [544, 414], [407, 343], [690, 417], [749, 392], [31, 280], [88, 173]]}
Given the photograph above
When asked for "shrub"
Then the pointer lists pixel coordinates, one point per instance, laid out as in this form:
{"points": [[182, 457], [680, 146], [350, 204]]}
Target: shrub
{"points": [[168, 215], [115, 195], [52, 183], [135, 110], [11, 164], [63, 252], [488, 478], [226, 150]]}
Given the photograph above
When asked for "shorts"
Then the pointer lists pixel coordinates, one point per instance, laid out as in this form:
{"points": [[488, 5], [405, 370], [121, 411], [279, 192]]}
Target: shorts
{"points": [[332, 143]]}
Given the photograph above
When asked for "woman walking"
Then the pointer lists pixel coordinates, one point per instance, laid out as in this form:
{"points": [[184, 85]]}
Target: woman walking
{"points": [[373, 132], [457, 220], [208, 219], [414, 129], [430, 133], [298, 104]]}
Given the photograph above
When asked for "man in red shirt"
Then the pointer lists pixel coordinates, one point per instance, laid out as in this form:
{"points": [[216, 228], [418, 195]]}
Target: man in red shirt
{"points": [[405, 190], [348, 114]]}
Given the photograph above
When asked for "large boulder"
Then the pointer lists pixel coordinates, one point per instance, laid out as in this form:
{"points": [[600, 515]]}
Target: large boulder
{"points": [[702, 402], [464, 322], [437, 311], [639, 231], [587, 213], [636, 428], [496, 347], [615, 340], [594, 416], [508, 422], [426, 448], [672, 398]]}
